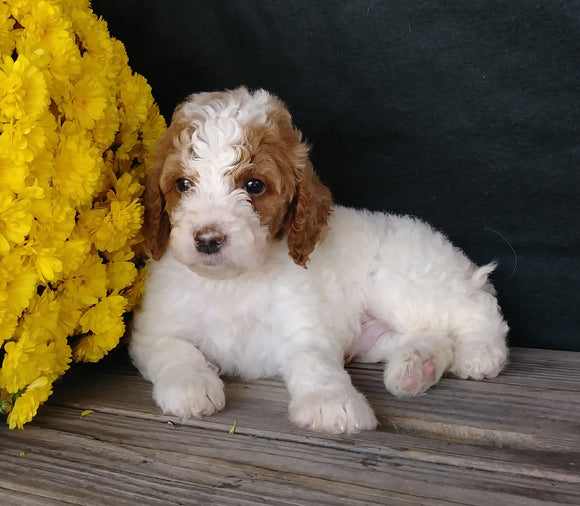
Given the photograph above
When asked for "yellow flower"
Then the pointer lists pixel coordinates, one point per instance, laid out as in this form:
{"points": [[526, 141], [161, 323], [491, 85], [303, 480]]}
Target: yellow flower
{"points": [[72, 254], [41, 168], [16, 368], [120, 274], [106, 128], [17, 283], [87, 102], [33, 354], [63, 64], [42, 315], [88, 284], [55, 219], [93, 35], [121, 255], [120, 58], [15, 220], [94, 347], [42, 320], [45, 25], [18, 140], [106, 326], [8, 323], [22, 89], [22, 140], [126, 188], [77, 168], [6, 23], [31, 192], [104, 315], [136, 98], [45, 261], [90, 221], [127, 140], [134, 293], [18, 6], [26, 405], [111, 228], [17, 224], [69, 314], [71, 5], [152, 129], [59, 64], [12, 175]]}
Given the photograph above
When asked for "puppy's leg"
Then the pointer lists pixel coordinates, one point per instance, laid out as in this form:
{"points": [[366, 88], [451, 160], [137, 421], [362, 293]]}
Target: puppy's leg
{"points": [[414, 361], [184, 383], [322, 396], [480, 347]]}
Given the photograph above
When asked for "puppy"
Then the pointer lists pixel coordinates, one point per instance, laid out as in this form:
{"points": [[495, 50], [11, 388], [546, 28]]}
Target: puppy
{"points": [[254, 272]]}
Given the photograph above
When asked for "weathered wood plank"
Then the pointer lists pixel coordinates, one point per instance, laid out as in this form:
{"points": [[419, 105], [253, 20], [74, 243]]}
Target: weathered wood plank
{"points": [[511, 440], [150, 462], [35, 497], [168, 463], [490, 413]]}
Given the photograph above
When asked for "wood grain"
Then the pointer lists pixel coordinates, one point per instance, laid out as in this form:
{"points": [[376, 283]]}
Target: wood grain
{"points": [[511, 440]]}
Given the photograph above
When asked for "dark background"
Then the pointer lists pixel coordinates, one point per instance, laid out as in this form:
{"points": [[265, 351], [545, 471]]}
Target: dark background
{"points": [[462, 113]]}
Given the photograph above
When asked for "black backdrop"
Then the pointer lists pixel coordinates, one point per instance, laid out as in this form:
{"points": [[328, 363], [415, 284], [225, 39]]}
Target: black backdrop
{"points": [[462, 113]]}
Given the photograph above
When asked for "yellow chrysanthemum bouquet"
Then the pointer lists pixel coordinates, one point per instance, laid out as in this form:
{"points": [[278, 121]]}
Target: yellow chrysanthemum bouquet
{"points": [[75, 128]]}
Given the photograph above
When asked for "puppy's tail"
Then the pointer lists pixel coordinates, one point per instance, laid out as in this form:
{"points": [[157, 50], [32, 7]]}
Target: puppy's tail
{"points": [[480, 277]]}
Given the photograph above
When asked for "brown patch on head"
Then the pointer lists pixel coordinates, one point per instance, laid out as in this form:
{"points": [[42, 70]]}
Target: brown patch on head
{"points": [[172, 172], [159, 198], [269, 161], [294, 202]]}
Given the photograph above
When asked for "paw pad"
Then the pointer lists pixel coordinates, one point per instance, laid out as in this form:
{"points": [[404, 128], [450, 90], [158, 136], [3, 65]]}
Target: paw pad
{"points": [[412, 374]]}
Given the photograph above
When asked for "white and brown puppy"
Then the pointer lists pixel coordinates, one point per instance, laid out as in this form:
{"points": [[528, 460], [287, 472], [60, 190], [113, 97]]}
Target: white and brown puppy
{"points": [[255, 273]]}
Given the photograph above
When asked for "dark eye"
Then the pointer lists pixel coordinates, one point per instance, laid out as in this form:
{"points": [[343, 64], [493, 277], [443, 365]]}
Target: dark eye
{"points": [[255, 187], [183, 185]]}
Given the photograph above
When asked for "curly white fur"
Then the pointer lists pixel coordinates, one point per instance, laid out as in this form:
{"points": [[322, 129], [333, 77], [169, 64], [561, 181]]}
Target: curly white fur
{"points": [[377, 287]]}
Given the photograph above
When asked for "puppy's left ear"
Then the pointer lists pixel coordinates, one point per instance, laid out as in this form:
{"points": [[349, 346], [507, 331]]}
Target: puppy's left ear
{"points": [[313, 207], [157, 226]]}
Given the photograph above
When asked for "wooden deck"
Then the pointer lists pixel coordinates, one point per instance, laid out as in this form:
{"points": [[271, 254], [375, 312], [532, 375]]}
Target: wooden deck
{"points": [[512, 440]]}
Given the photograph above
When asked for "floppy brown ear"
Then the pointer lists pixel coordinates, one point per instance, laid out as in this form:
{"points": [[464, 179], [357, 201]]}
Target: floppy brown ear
{"points": [[313, 207], [157, 225]]}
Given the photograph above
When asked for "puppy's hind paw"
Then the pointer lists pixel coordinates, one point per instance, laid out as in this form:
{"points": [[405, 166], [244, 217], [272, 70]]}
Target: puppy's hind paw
{"points": [[479, 362], [412, 374], [345, 412], [193, 395]]}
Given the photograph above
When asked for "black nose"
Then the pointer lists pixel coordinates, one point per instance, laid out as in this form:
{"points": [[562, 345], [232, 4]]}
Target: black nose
{"points": [[208, 240]]}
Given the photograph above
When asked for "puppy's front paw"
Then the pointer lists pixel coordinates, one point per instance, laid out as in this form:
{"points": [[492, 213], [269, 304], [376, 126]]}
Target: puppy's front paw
{"points": [[190, 395], [346, 411], [479, 361]]}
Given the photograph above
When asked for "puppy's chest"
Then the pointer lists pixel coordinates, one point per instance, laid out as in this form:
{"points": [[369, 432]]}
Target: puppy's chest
{"points": [[240, 330], [230, 313], [247, 326]]}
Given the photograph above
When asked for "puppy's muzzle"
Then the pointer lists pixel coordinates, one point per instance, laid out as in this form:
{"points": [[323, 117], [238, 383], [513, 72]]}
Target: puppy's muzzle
{"points": [[209, 240]]}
